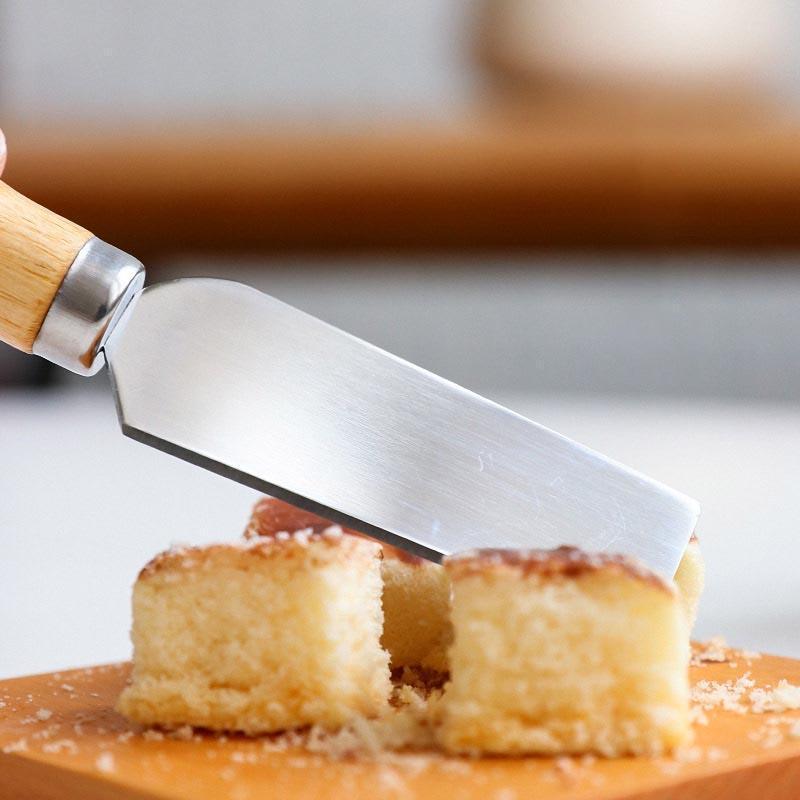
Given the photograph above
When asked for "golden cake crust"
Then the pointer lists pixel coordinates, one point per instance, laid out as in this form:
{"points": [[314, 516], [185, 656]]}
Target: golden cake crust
{"points": [[271, 516], [329, 544], [565, 561]]}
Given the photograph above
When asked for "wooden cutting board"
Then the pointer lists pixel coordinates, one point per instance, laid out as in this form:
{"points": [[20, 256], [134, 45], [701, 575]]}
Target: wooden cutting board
{"points": [[61, 738]]}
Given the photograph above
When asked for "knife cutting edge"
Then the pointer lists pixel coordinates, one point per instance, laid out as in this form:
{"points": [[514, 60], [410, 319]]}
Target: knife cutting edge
{"points": [[233, 380]]}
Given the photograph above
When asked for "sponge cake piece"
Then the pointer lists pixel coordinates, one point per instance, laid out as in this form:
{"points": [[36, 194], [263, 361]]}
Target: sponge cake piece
{"points": [[416, 592], [416, 604], [563, 652], [261, 636], [690, 580]]}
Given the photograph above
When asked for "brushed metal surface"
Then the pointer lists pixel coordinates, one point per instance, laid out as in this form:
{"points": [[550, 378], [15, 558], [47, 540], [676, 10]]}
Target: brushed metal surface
{"points": [[99, 284], [231, 379]]}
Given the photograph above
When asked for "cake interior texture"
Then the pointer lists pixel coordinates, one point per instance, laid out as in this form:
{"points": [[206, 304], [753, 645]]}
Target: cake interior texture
{"points": [[264, 636], [559, 652], [690, 580], [416, 607], [416, 592]]}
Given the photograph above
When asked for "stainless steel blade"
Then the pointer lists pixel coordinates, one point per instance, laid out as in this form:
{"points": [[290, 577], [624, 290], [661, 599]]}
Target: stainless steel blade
{"points": [[231, 379]]}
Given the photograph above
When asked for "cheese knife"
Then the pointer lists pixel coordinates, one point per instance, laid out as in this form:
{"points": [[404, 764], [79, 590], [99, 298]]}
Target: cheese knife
{"points": [[235, 381]]}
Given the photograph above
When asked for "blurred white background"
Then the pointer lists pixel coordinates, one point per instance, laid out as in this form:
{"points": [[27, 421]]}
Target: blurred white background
{"points": [[117, 62]]}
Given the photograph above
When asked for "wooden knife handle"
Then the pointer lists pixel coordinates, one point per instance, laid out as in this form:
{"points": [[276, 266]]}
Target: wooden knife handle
{"points": [[36, 250]]}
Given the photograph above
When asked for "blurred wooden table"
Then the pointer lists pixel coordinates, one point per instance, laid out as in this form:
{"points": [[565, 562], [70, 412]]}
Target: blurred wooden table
{"points": [[477, 185]]}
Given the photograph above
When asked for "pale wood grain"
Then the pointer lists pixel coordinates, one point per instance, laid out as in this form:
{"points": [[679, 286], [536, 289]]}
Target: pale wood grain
{"points": [[740, 767], [36, 249]]}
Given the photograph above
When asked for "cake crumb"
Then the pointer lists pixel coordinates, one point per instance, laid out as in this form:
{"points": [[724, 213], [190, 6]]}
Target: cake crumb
{"points": [[303, 536], [668, 767], [240, 757], [183, 734], [61, 746], [784, 697], [750, 655], [767, 736], [723, 694], [688, 754], [715, 650], [105, 763], [391, 780], [409, 724], [770, 734], [697, 716], [333, 532], [565, 768], [48, 732], [716, 754]]}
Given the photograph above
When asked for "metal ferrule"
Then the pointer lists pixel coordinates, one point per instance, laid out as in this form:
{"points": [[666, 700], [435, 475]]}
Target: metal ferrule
{"points": [[98, 286]]}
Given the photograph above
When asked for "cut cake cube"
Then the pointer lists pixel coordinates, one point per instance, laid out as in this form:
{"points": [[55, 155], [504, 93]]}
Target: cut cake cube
{"points": [[563, 652], [261, 636]]}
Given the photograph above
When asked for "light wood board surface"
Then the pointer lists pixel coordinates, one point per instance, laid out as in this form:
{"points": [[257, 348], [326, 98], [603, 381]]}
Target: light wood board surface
{"points": [[60, 738]]}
